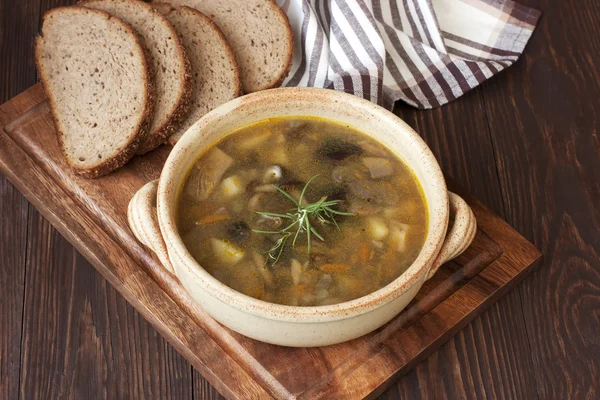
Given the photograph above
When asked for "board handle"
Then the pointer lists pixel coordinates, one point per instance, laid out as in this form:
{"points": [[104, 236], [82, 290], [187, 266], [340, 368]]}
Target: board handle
{"points": [[143, 221], [460, 236]]}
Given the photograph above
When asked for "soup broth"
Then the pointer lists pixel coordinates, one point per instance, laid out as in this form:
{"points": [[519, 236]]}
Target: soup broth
{"points": [[302, 211]]}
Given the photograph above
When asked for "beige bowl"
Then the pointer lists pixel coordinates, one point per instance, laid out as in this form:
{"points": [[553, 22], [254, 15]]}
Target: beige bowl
{"points": [[289, 325]]}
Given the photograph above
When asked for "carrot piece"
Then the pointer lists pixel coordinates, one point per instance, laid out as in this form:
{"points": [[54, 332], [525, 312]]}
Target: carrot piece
{"points": [[211, 219], [301, 287], [334, 268], [364, 253]]}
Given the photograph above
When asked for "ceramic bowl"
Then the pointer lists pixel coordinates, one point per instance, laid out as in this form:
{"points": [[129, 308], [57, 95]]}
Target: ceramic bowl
{"points": [[290, 325]]}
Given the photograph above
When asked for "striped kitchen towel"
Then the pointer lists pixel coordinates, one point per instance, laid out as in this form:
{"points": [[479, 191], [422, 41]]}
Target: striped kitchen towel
{"points": [[423, 52]]}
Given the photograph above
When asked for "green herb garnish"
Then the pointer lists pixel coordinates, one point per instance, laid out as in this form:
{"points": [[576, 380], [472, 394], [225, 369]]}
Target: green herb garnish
{"points": [[300, 218]]}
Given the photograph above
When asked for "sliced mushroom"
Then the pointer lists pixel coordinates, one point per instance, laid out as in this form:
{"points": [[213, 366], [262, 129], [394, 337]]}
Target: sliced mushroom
{"points": [[398, 236], [363, 208], [273, 173], [338, 150], [373, 150], [373, 193], [205, 176], [261, 266], [238, 231], [348, 173], [298, 130], [324, 282], [378, 167], [266, 188], [254, 202], [269, 221]]}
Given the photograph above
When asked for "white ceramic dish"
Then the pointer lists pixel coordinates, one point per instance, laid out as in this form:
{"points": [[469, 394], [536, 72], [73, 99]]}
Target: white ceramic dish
{"points": [[288, 325]]}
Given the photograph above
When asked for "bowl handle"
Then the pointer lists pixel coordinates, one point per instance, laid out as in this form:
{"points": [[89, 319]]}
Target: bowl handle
{"points": [[460, 236], [143, 221]]}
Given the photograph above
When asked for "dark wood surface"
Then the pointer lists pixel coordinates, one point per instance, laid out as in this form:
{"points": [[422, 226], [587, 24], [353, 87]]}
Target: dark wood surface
{"points": [[91, 214], [525, 143]]}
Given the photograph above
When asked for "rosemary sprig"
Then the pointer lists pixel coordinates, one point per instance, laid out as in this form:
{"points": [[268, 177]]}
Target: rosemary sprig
{"points": [[300, 218]]}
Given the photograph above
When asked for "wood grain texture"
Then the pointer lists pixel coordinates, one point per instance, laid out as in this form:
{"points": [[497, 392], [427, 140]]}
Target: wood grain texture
{"points": [[19, 22], [145, 360], [538, 168], [13, 239], [17, 72], [550, 176], [92, 214], [448, 164], [464, 149], [121, 271], [81, 339], [201, 389]]}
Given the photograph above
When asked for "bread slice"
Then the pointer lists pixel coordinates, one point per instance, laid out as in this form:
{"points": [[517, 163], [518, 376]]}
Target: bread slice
{"points": [[94, 72], [259, 33], [214, 69], [168, 59]]}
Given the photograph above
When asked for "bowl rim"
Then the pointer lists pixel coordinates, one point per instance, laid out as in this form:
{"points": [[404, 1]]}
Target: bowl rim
{"points": [[308, 314]]}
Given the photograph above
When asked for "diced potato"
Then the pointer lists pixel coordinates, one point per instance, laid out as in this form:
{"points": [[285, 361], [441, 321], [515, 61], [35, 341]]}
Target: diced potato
{"points": [[398, 239], [377, 244], [398, 236], [348, 285], [232, 186], [254, 140], [390, 212], [296, 270], [279, 138], [377, 228], [226, 252], [401, 226], [321, 294], [279, 156]]}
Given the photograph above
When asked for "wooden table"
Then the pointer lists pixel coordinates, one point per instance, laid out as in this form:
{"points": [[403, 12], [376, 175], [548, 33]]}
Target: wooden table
{"points": [[526, 143]]}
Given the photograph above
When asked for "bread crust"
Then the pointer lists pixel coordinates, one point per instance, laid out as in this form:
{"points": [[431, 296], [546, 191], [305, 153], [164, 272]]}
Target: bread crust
{"points": [[128, 151], [237, 83], [162, 134], [277, 13], [182, 104], [290, 39], [230, 53]]}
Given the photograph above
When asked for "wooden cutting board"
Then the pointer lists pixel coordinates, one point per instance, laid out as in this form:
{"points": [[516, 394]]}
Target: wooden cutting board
{"points": [[91, 214]]}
